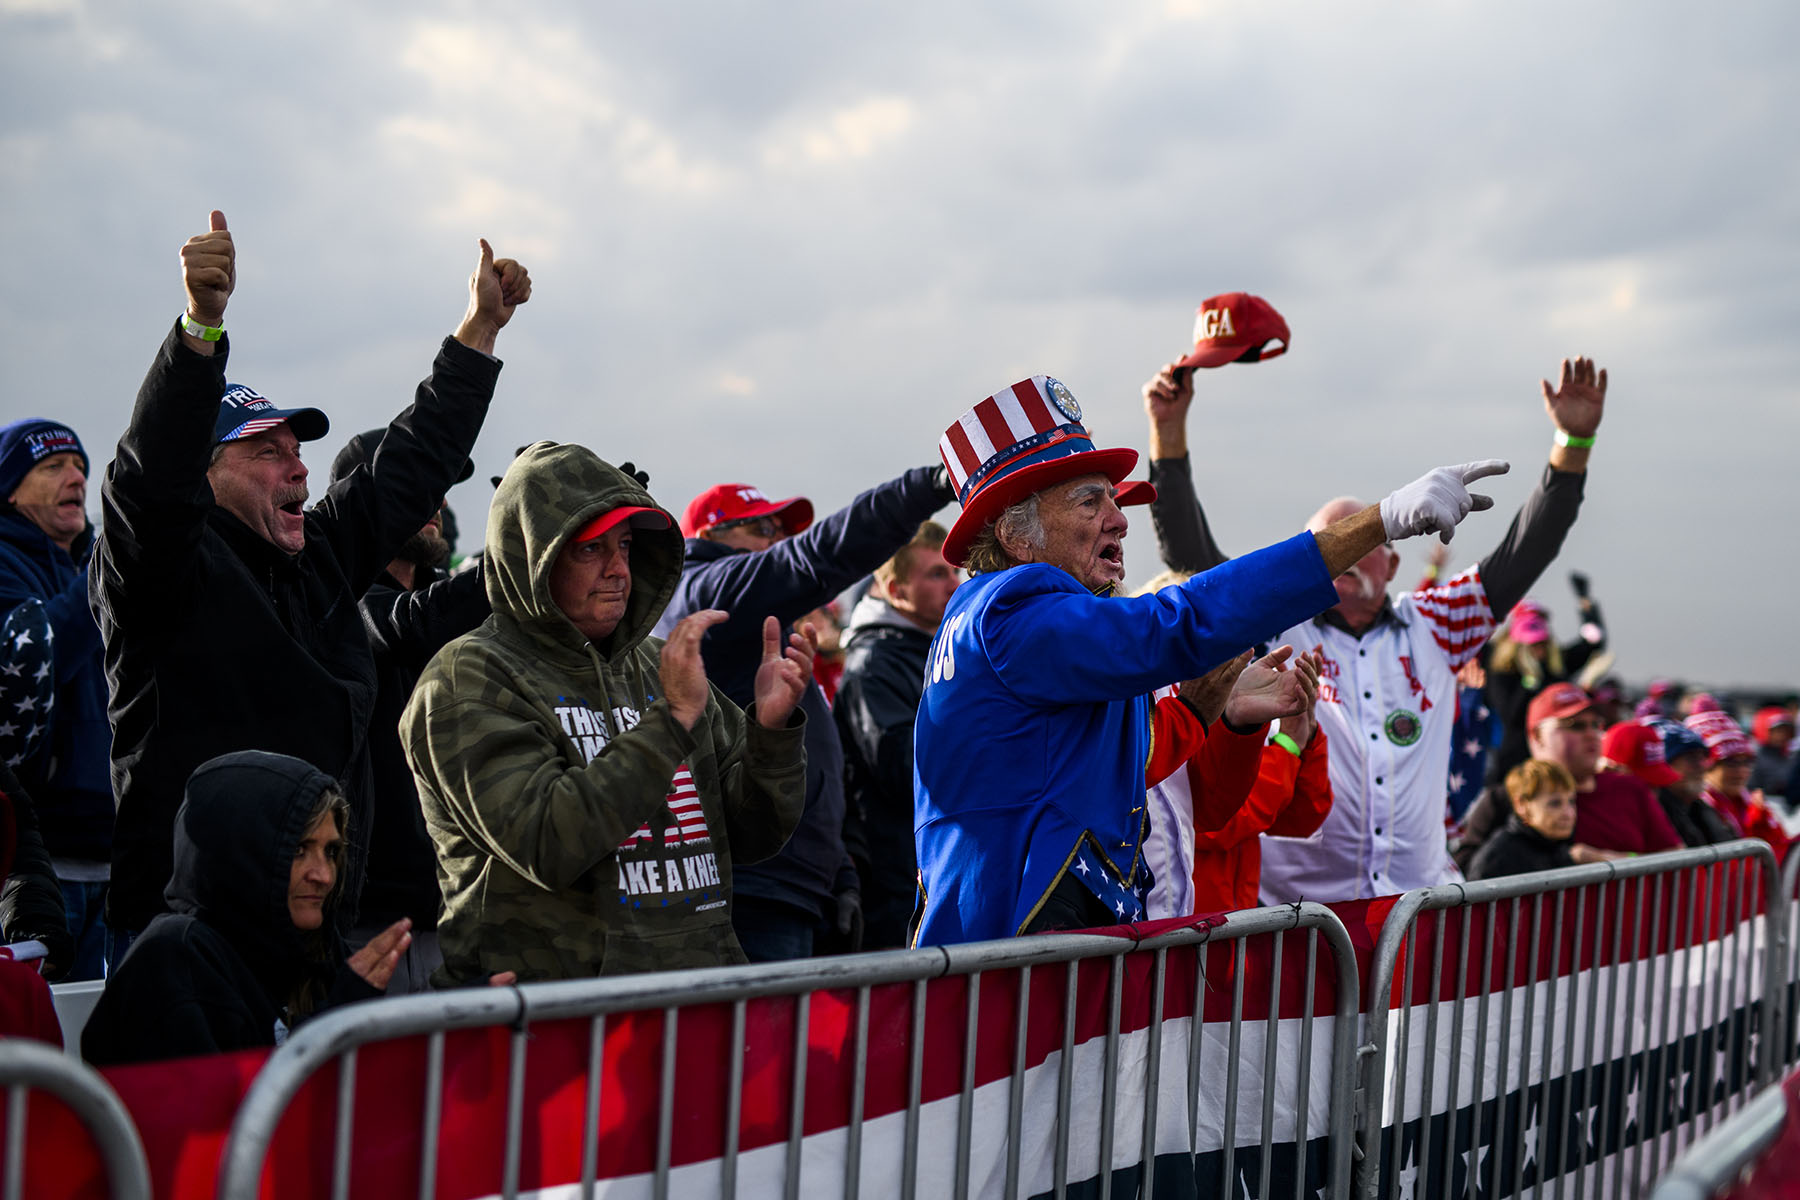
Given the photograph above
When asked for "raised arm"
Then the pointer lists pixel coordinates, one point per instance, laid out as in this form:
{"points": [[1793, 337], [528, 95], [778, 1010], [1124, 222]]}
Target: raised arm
{"points": [[370, 513], [1535, 537], [155, 497], [1184, 539]]}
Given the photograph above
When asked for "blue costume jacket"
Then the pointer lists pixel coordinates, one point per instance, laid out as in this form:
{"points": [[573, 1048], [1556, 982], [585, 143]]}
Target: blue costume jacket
{"points": [[1035, 724]]}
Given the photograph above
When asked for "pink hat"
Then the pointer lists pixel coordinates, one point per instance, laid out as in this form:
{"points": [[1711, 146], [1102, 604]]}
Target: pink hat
{"points": [[1723, 736], [1528, 622], [1017, 442]]}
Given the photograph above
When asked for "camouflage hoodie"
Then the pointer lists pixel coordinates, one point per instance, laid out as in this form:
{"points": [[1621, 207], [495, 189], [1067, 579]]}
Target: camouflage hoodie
{"points": [[580, 830]]}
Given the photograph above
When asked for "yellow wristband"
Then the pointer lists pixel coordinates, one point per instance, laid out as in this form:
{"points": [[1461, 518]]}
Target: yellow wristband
{"points": [[1286, 743], [206, 333]]}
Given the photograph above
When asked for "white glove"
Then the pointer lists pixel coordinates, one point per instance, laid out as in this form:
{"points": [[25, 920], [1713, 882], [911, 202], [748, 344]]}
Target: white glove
{"points": [[1435, 502]]}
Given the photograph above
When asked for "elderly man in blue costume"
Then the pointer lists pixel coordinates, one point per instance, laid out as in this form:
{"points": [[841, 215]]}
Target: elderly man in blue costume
{"points": [[1035, 728]]}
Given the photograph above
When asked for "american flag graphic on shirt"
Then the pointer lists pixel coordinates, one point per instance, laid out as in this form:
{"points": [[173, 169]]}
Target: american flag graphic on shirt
{"points": [[1457, 612], [27, 691], [689, 828]]}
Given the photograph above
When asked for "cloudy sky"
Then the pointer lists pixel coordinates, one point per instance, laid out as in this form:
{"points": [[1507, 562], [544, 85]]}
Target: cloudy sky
{"points": [[788, 244]]}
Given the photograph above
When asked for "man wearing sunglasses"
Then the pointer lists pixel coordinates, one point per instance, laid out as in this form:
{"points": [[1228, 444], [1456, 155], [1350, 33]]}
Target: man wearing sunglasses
{"points": [[753, 556]]}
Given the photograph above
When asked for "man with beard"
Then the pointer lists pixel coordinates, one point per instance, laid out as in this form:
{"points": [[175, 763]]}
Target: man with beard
{"points": [[227, 608], [411, 612], [1387, 688], [1034, 736]]}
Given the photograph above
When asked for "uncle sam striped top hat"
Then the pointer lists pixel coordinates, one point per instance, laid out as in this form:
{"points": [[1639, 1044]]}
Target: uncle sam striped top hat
{"points": [[1018, 441]]}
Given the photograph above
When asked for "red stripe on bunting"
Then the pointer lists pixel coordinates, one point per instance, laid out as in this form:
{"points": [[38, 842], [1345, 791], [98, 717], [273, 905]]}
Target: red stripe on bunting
{"points": [[183, 1109]]}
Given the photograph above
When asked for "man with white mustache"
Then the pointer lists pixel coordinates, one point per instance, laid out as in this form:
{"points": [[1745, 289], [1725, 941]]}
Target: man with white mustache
{"points": [[1387, 684], [228, 608]]}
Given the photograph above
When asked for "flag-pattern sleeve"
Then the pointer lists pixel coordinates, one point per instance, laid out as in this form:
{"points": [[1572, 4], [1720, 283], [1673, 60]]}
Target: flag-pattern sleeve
{"points": [[1458, 615]]}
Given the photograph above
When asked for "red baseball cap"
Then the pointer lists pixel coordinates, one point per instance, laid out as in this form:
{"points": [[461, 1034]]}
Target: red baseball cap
{"points": [[640, 517], [727, 502], [1639, 749], [1236, 327], [1555, 702], [1770, 718]]}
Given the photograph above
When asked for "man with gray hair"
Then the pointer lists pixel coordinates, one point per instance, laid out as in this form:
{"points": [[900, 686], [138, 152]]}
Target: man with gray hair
{"points": [[227, 607], [1387, 684], [1034, 732]]}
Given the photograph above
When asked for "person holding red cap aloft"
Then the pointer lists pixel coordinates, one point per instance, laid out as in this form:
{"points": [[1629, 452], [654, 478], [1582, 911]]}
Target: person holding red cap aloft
{"points": [[1387, 700], [1615, 813], [1034, 732], [750, 556]]}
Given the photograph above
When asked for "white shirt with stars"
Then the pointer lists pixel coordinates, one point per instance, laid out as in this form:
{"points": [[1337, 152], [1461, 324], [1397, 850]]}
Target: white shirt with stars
{"points": [[1387, 702]]}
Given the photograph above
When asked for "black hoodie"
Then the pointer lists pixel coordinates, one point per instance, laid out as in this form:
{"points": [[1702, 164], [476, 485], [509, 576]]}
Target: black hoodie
{"points": [[216, 972]]}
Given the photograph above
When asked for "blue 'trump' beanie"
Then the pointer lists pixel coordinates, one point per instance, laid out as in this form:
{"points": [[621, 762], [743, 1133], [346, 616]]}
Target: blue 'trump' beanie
{"points": [[24, 444]]}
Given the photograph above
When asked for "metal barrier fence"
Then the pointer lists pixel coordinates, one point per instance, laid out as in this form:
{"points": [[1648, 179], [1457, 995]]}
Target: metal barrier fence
{"points": [[26, 1066], [1790, 928], [1587, 1089], [1715, 1162], [1134, 1075]]}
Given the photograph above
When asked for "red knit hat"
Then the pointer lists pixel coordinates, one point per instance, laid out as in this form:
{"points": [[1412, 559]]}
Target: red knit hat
{"points": [[1723, 736]]}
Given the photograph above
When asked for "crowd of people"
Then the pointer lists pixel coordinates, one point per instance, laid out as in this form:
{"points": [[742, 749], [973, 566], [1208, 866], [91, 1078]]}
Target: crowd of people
{"points": [[263, 757]]}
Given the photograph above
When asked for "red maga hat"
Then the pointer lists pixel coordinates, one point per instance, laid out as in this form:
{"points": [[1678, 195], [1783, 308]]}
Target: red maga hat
{"points": [[726, 503], [1556, 702], [1639, 749], [640, 516], [1236, 327], [1019, 441]]}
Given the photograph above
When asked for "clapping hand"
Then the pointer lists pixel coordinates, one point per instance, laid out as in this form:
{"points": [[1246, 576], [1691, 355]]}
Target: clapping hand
{"points": [[783, 676], [1270, 689]]}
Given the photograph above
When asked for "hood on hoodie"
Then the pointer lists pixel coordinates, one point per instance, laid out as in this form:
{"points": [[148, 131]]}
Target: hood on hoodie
{"points": [[874, 612], [235, 838], [551, 490]]}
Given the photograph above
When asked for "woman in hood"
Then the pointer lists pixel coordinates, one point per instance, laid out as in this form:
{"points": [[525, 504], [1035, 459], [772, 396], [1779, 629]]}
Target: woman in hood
{"points": [[251, 947]]}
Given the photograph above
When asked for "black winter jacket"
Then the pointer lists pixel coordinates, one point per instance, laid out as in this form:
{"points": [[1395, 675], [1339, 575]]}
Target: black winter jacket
{"points": [[31, 900], [789, 580], [216, 973], [405, 629], [1516, 850], [877, 704], [216, 639]]}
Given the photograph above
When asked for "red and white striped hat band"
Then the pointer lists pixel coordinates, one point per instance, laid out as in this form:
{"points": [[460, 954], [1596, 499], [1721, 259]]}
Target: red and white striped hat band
{"points": [[1035, 420]]}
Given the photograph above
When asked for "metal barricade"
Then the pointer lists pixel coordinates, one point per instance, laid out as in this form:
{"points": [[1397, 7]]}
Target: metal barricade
{"points": [[1790, 959], [1715, 1163], [1612, 1014], [1151, 1061], [26, 1065]]}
